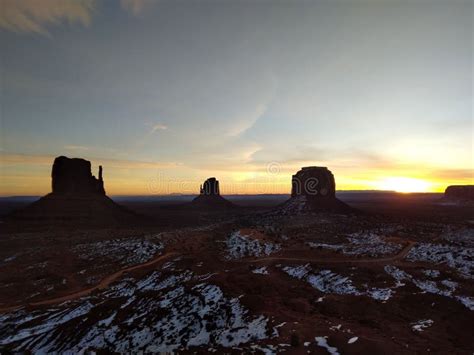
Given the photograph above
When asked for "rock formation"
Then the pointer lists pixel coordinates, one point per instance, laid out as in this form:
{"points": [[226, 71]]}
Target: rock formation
{"points": [[459, 193], [73, 176], [210, 198], [313, 189], [313, 182], [210, 187], [77, 198]]}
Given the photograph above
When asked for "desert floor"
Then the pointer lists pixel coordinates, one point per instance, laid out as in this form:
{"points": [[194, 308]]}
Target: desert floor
{"points": [[396, 278]]}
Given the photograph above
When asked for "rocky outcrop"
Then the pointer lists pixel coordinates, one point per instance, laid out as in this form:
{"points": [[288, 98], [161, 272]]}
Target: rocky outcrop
{"points": [[313, 190], [459, 193], [77, 199], [210, 198], [314, 182], [210, 187], [73, 176]]}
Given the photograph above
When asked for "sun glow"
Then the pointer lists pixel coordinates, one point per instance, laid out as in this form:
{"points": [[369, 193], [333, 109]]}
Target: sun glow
{"points": [[404, 184]]}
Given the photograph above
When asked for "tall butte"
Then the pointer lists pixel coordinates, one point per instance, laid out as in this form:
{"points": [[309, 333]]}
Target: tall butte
{"points": [[210, 197], [313, 189], [74, 177], [77, 198]]}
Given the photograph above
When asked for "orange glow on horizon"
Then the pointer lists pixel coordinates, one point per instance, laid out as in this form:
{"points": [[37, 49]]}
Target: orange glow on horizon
{"points": [[404, 184], [138, 185], [31, 175]]}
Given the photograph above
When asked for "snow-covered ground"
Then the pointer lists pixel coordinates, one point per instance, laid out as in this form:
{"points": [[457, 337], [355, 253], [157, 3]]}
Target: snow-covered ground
{"points": [[352, 340], [457, 257], [127, 251], [323, 343], [296, 204], [158, 313], [261, 270], [463, 236], [362, 243], [431, 273], [445, 288], [240, 246], [421, 325], [327, 281]]}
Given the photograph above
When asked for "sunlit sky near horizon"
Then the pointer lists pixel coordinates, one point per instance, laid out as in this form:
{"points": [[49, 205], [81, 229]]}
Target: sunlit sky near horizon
{"points": [[167, 93]]}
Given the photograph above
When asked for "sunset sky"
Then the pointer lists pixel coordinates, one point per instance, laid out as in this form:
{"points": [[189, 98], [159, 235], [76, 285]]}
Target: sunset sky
{"points": [[166, 93]]}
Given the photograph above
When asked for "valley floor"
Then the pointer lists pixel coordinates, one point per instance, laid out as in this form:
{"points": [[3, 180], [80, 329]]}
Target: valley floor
{"points": [[256, 283]]}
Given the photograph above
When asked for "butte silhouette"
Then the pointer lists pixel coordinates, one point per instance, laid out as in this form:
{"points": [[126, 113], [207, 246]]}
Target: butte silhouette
{"points": [[313, 189], [210, 197], [77, 197], [462, 194]]}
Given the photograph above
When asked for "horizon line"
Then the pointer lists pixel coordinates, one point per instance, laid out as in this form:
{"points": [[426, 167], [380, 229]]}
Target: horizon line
{"points": [[244, 194]]}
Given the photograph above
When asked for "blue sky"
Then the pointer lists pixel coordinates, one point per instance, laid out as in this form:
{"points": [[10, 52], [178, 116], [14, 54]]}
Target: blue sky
{"points": [[188, 89]]}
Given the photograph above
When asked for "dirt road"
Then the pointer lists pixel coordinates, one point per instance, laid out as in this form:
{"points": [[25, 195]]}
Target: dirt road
{"points": [[102, 285], [326, 260], [113, 277]]}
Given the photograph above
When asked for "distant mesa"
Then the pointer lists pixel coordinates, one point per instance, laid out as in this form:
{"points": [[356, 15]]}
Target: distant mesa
{"points": [[313, 189], [210, 197], [459, 193], [77, 198]]}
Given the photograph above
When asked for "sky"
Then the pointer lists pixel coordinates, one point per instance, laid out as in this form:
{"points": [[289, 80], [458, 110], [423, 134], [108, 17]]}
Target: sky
{"points": [[165, 93]]}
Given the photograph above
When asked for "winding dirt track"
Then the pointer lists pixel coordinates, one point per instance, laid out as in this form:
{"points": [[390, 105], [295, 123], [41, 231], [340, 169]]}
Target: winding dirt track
{"points": [[388, 259], [113, 277], [100, 286]]}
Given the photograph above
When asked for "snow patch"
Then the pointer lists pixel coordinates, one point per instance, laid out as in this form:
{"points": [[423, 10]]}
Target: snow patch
{"points": [[296, 204], [352, 340], [463, 236], [444, 288], [126, 251], [362, 243], [421, 325], [327, 281], [381, 294], [322, 342], [261, 270], [431, 273], [240, 246], [459, 258], [157, 313], [467, 301]]}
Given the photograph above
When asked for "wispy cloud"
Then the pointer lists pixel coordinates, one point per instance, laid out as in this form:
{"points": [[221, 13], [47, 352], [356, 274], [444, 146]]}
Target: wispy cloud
{"points": [[76, 147], [33, 15], [12, 159], [240, 126], [158, 127], [135, 6]]}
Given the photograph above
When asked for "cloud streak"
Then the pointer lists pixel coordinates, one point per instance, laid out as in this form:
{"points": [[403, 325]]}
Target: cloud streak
{"points": [[136, 7], [12, 159], [32, 16], [76, 147], [158, 127]]}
